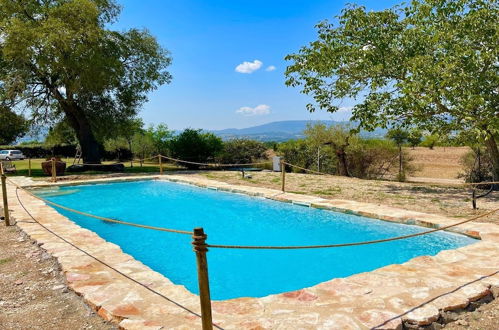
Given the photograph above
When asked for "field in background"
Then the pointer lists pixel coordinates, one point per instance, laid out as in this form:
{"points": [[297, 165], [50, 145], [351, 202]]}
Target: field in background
{"points": [[440, 163]]}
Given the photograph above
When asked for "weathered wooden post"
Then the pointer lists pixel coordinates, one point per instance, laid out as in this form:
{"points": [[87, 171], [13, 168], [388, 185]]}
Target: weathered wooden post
{"points": [[29, 166], [160, 165], [54, 171], [199, 244], [5, 201], [283, 176]]}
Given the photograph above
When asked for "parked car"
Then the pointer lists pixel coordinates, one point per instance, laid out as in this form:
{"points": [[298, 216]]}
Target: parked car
{"points": [[11, 155]]}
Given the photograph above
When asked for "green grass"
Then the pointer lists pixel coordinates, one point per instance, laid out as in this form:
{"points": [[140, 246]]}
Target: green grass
{"points": [[22, 168], [298, 192], [4, 261], [330, 191]]}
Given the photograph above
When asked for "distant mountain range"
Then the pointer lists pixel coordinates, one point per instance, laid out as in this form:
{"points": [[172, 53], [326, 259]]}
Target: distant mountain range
{"points": [[277, 131], [285, 130]]}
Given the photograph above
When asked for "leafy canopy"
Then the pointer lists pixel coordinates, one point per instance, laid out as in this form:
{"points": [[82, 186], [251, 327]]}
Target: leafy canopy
{"points": [[12, 126], [57, 55], [433, 63]]}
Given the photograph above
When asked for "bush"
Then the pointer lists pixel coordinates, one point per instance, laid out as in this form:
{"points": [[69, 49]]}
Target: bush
{"points": [[366, 158], [477, 166], [43, 151], [430, 141], [195, 146], [242, 151], [297, 152]]}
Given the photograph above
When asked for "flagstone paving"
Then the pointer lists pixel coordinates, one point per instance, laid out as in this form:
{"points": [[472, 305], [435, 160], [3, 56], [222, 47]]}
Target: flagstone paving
{"points": [[416, 293]]}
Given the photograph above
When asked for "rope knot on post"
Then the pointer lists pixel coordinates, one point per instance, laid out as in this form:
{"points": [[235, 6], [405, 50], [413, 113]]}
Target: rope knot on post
{"points": [[199, 240]]}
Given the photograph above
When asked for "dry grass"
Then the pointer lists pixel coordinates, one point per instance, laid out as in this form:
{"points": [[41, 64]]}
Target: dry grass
{"points": [[441, 162], [453, 201]]}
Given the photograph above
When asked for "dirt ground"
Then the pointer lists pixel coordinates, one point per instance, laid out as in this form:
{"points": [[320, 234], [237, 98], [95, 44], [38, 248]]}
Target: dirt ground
{"points": [[32, 290], [485, 317], [448, 200], [441, 162]]}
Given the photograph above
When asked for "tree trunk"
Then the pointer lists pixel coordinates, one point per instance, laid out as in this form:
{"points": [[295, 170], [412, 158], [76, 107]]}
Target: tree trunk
{"points": [[493, 151], [342, 162], [77, 119]]}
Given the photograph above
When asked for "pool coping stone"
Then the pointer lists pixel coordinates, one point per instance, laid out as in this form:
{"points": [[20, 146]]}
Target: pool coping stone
{"points": [[416, 292]]}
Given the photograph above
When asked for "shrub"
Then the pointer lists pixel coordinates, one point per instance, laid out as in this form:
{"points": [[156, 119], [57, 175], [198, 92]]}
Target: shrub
{"points": [[195, 146], [430, 141], [477, 166], [43, 151], [297, 152], [365, 158], [241, 151]]}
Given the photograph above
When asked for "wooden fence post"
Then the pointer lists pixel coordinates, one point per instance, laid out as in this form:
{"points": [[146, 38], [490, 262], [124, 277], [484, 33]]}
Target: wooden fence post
{"points": [[5, 201], [29, 166], [160, 165], [199, 243], [54, 171], [283, 176]]}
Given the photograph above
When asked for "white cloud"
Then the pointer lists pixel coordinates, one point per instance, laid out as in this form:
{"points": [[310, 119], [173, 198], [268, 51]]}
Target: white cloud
{"points": [[345, 109], [249, 67], [261, 109], [270, 68]]}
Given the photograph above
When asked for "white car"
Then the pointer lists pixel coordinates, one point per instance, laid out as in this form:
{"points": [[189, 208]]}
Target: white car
{"points": [[11, 155]]}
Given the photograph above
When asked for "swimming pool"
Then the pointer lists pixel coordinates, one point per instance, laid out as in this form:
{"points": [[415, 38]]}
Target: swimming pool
{"points": [[230, 218]]}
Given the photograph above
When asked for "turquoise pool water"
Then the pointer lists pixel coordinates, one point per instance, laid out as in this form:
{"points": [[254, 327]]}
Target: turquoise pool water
{"points": [[243, 220]]}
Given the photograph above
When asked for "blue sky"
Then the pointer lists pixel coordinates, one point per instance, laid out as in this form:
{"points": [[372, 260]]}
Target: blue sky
{"points": [[209, 39]]}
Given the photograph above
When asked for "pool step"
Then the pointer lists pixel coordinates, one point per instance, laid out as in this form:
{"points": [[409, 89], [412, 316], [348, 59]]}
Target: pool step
{"points": [[306, 204]]}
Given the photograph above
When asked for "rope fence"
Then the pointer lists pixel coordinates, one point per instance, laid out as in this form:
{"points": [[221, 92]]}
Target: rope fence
{"points": [[473, 185], [132, 224], [297, 247], [199, 244]]}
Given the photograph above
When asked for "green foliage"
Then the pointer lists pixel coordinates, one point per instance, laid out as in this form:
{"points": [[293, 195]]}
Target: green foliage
{"points": [[398, 135], [415, 137], [241, 151], [298, 152], [430, 141], [12, 125], [430, 64], [373, 158], [61, 133], [59, 59], [196, 146], [364, 158], [161, 138], [143, 145], [477, 166]]}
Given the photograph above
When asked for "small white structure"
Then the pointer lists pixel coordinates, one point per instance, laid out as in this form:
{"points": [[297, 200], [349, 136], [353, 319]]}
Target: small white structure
{"points": [[276, 164]]}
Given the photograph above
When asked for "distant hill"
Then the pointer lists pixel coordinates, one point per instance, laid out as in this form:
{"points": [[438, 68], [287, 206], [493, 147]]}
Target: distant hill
{"points": [[284, 130]]}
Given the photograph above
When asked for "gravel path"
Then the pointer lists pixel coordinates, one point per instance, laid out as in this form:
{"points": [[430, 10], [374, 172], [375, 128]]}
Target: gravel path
{"points": [[33, 294]]}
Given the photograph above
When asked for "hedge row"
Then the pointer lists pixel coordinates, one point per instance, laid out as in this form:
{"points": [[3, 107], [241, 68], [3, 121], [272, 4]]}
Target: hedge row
{"points": [[64, 151]]}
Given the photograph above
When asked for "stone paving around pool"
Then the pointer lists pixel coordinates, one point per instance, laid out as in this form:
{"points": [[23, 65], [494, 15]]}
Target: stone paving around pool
{"points": [[417, 292]]}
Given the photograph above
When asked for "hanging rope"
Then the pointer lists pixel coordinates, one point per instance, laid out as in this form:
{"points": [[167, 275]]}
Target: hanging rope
{"points": [[147, 287], [212, 164], [350, 244], [99, 217]]}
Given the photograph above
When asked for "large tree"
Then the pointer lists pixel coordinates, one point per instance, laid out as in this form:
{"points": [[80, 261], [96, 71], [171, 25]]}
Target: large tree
{"points": [[432, 64], [59, 59]]}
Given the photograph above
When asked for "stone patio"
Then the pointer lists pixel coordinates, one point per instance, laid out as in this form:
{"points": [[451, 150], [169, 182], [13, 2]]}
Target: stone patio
{"points": [[417, 292]]}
